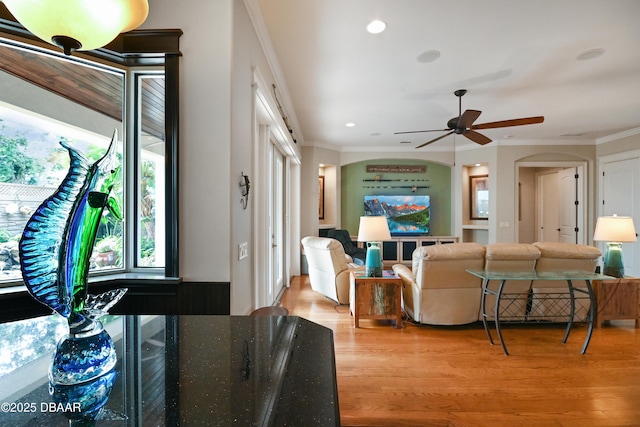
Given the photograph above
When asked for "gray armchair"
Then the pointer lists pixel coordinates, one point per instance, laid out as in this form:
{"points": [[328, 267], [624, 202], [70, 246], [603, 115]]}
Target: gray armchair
{"points": [[350, 248]]}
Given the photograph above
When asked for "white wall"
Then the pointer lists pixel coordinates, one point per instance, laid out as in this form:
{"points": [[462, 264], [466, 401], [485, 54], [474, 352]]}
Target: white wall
{"points": [[205, 131], [220, 52]]}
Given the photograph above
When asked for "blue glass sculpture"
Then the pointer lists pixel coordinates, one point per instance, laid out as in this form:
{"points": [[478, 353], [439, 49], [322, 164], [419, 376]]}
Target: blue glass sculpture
{"points": [[55, 251], [86, 400]]}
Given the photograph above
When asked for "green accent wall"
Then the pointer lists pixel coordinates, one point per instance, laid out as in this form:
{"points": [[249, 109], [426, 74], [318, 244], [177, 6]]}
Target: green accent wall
{"points": [[354, 188]]}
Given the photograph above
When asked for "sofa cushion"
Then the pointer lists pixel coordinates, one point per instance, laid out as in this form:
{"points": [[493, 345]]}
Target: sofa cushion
{"points": [[567, 250], [511, 251], [450, 251]]}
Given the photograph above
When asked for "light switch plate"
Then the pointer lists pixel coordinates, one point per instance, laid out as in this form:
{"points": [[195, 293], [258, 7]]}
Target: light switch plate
{"points": [[243, 250]]}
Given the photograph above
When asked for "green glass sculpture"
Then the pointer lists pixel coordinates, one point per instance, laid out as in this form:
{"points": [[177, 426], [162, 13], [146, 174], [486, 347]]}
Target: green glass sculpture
{"points": [[55, 252]]}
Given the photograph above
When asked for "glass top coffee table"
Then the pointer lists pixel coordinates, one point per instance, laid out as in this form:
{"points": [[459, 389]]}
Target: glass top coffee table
{"points": [[566, 275]]}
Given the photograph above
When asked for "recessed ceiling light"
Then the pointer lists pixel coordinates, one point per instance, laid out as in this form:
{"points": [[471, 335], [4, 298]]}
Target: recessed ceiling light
{"points": [[590, 54], [428, 56], [405, 142], [350, 125], [375, 134], [376, 26]]}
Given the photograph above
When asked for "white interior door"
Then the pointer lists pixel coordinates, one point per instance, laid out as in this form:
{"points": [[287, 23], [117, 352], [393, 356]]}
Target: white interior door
{"points": [[276, 223], [548, 215], [621, 196], [561, 206], [570, 219]]}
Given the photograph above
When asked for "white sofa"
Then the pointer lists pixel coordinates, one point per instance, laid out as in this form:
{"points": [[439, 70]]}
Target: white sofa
{"points": [[329, 267], [439, 291], [510, 257], [561, 256]]}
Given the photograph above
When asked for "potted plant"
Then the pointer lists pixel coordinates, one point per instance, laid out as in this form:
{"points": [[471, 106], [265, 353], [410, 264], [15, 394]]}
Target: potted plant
{"points": [[107, 249]]}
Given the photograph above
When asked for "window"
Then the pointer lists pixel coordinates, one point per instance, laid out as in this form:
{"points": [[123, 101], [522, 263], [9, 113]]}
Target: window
{"points": [[150, 154], [46, 98]]}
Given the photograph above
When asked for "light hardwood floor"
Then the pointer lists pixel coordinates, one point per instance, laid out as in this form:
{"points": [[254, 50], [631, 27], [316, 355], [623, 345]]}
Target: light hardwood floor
{"points": [[451, 376]]}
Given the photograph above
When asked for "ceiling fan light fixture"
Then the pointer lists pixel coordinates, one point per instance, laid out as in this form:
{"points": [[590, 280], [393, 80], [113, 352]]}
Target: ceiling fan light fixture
{"points": [[376, 26], [78, 24]]}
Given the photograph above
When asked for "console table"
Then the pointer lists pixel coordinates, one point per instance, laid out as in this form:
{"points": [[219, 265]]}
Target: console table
{"points": [[569, 276], [193, 370]]}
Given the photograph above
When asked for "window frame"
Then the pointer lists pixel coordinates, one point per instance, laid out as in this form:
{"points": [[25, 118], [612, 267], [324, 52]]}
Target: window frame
{"points": [[136, 50]]}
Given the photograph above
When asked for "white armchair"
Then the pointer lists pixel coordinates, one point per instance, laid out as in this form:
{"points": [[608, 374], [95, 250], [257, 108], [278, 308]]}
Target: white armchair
{"points": [[329, 269], [438, 290]]}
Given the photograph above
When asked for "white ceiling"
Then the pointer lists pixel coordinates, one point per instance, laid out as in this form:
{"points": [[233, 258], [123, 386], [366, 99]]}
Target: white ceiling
{"points": [[516, 58]]}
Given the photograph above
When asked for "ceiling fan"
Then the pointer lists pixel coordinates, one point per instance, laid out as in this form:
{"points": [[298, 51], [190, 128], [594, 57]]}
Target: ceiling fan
{"points": [[463, 124]]}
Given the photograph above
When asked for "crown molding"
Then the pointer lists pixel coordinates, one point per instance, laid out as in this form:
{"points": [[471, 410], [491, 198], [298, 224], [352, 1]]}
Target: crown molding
{"points": [[257, 19], [619, 135]]}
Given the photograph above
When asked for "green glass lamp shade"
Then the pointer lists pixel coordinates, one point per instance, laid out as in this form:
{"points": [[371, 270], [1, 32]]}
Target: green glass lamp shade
{"points": [[613, 262]]}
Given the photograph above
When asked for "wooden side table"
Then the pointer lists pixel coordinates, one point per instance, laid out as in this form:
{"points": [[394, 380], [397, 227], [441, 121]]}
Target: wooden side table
{"points": [[617, 299], [376, 297]]}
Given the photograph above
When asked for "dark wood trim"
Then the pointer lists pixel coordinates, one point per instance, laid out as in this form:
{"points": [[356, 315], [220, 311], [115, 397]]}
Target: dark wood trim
{"points": [[172, 126], [144, 296]]}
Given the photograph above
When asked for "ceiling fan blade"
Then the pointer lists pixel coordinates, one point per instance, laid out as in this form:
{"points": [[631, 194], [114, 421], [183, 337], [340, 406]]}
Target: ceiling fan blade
{"points": [[420, 131], [467, 118], [507, 123], [476, 137], [434, 140]]}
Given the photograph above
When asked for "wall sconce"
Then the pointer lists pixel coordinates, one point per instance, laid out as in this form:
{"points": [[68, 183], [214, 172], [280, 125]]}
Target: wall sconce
{"points": [[78, 24], [245, 186]]}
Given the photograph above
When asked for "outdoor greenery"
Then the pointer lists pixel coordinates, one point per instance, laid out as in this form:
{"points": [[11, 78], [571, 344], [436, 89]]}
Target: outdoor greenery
{"points": [[421, 217], [16, 166]]}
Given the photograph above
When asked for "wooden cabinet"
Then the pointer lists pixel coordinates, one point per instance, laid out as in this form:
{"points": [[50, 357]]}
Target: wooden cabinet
{"points": [[400, 249], [617, 299], [376, 297]]}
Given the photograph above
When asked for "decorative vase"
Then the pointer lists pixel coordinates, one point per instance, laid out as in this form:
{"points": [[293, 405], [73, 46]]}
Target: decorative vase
{"points": [[613, 263], [82, 373], [373, 263], [83, 403], [83, 357]]}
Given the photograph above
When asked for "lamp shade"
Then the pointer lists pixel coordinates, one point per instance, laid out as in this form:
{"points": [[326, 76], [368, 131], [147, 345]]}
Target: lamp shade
{"points": [[373, 229], [78, 24], [615, 229]]}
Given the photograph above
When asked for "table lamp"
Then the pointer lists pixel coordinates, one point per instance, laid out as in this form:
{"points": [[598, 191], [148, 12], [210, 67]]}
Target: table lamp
{"points": [[614, 230], [373, 230]]}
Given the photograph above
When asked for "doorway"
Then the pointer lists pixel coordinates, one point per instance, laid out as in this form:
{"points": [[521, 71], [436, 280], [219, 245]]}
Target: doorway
{"points": [[276, 204], [551, 202], [276, 160]]}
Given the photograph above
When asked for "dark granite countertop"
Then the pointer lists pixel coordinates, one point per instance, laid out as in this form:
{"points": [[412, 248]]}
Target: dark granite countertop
{"points": [[195, 370]]}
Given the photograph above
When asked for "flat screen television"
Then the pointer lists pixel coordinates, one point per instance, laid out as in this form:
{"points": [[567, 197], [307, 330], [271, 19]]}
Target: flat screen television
{"points": [[406, 215]]}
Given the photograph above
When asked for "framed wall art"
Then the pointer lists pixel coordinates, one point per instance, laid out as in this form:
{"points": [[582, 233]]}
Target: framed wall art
{"points": [[479, 196], [321, 200]]}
